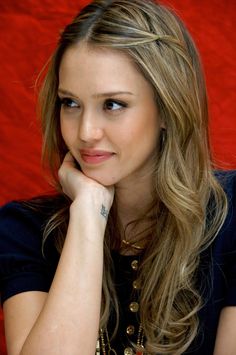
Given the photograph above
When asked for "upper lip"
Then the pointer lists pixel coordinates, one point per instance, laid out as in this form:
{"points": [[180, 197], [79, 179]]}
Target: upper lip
{"points": [[94, 152]]}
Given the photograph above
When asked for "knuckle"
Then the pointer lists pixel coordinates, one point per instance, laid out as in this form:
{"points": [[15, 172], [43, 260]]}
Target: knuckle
{"points": [[60, 173]]}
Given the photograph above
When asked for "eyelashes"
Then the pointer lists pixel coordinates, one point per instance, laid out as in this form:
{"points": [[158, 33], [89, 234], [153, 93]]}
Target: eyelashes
{"points": [[110, 105], [67, 102], [114, 105]]}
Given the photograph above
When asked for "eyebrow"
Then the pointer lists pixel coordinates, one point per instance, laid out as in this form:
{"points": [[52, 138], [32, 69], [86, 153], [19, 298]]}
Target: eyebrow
{"points": [[105, 94]]}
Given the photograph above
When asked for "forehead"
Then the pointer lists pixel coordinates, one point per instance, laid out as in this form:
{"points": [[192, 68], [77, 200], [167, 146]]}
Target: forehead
{"points": [[99, 66], [83, 50]]}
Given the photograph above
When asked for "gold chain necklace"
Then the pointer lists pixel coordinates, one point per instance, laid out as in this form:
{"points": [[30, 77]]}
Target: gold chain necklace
{"points": [[132, 245], [102, 344]]}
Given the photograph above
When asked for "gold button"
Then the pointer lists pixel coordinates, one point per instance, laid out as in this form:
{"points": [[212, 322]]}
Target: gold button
{"points": [[128, 351], [134, 264], [134, 306], [136, 285], [130, 330]]}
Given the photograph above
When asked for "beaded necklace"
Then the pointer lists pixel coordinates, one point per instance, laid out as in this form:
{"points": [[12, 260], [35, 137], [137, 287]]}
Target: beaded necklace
{"points": [[104, 347]]}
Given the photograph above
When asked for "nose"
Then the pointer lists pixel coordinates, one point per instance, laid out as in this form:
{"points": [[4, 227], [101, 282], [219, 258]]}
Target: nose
{"points": [[90, 128]]}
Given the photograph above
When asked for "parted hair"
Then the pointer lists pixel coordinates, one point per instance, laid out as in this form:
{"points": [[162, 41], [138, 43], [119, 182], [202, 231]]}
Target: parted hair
{"points": [[189, 204]]}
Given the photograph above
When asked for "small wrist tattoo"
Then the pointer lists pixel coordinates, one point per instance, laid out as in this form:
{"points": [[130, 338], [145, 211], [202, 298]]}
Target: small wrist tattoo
{"points": [[104, 212]]}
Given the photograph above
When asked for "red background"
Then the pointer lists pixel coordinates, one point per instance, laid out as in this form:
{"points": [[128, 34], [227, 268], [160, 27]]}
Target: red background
{"points": [[29, 32]]}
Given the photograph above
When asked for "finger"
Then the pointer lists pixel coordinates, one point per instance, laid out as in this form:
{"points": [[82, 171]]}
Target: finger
{"points": [[69, 160], [67, 164]]}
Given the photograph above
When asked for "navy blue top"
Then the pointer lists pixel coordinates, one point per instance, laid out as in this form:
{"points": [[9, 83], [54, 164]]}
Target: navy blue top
{"points": [[23, 267]]}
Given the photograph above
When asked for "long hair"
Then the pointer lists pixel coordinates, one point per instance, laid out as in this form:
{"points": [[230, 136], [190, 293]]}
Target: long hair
{"points": [[186, 191]]}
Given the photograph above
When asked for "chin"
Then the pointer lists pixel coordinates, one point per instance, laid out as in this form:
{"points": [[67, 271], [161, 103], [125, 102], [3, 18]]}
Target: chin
{"points": [[103, 180]]}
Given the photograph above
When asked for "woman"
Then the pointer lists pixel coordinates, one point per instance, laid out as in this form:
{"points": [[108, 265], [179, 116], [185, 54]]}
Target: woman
{"points": [[135, 254]]}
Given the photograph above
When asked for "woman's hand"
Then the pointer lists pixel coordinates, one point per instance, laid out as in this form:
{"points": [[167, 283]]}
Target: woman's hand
{"points": [[88, 192]]}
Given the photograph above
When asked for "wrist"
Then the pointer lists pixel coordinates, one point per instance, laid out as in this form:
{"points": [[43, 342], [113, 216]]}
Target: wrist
{"points": [[89, 216], [91, 208]]}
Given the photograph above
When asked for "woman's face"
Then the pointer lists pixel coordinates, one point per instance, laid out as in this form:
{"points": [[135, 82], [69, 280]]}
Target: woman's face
{"points": [[109, 118]]}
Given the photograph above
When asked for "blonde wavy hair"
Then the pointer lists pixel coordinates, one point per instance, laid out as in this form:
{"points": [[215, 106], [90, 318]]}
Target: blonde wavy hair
{"points": [[187, 191]]}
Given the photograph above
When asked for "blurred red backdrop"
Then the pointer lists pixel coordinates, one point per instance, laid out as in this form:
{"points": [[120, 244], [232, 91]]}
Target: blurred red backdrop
{"points": [[29, 32]]}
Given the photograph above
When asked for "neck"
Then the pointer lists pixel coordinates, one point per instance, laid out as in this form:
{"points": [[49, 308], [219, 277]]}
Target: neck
{"points": [[133, 203]]}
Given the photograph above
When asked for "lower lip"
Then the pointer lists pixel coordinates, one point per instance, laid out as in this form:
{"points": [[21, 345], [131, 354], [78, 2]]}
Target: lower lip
{"points": [[95, 159]]}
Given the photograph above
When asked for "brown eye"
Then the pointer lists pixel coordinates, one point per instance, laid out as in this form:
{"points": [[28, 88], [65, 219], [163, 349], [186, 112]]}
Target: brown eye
{"points": [[113, 105], [68, 103]]}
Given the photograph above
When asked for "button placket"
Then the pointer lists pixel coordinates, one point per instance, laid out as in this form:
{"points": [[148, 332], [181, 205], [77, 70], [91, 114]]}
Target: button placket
{"points": [[133, 307]]}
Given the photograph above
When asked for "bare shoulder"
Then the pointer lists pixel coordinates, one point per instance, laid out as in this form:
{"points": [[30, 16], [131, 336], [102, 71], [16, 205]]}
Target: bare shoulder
{"points": [[226, 333], [20, 313]]}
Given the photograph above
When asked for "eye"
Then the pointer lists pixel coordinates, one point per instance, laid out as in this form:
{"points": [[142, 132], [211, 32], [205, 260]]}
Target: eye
{"points": [[66, 102], [114, 105]]}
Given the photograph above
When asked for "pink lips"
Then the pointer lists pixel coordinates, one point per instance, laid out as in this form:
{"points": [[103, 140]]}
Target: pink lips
{"points": [[92, 156]]}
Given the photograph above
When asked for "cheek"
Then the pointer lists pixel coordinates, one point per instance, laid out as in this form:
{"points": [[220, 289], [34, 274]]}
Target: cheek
{"points": [[145, 133], [68, 131]]}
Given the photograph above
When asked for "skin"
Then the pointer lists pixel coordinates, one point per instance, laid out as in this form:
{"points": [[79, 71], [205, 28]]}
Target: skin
{"points": [[66, 320]]}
